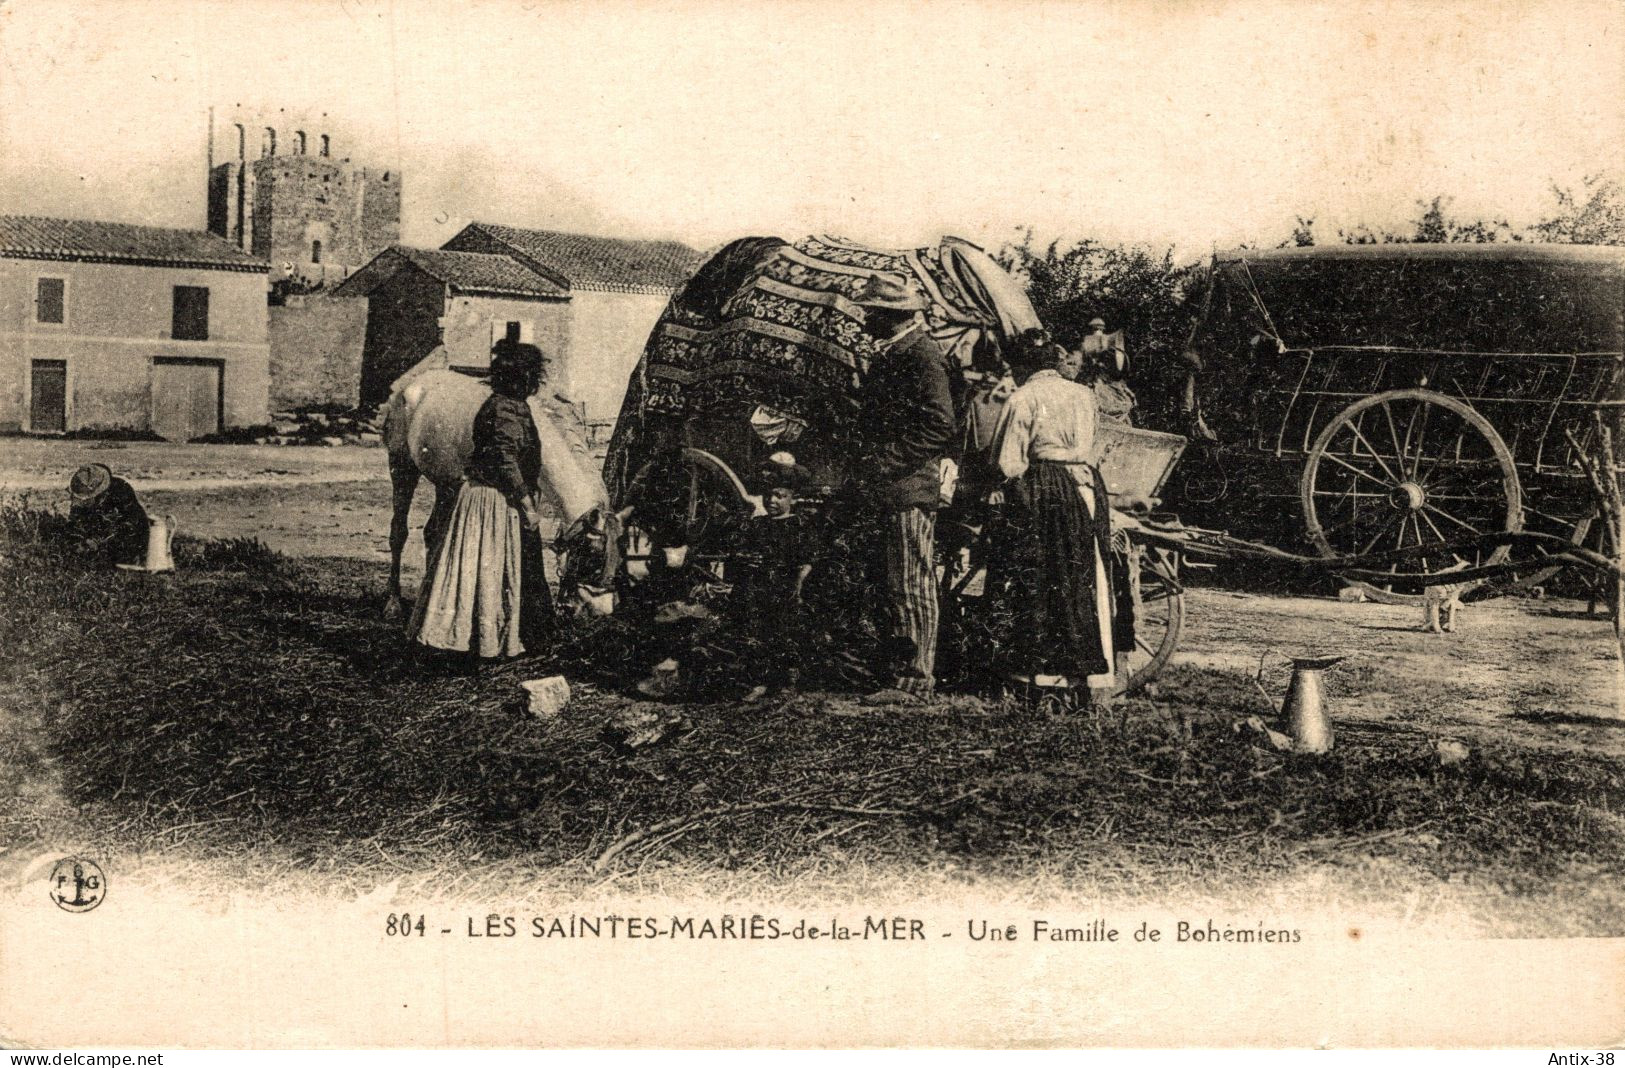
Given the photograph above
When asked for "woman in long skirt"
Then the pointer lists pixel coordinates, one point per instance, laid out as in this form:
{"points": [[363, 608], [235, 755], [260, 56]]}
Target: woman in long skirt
{"points": [[485, 592], [1058, 533]]}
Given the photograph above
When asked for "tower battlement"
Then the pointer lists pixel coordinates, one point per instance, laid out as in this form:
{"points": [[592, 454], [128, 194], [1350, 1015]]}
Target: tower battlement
{"points": [[279, 189]]}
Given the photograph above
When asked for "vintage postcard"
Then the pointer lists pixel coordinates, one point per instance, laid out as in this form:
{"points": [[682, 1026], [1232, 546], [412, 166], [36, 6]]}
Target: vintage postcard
{"points": [[534, 523]]}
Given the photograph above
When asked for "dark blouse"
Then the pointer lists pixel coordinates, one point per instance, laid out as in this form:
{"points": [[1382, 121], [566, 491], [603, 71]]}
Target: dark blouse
{"points": [[772, 552], [507, 450], [114, 524]]}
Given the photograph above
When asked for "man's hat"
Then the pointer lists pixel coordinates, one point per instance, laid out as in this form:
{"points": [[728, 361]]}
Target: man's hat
{"points": [[1097, 321], [891, 291], [90, 482]]}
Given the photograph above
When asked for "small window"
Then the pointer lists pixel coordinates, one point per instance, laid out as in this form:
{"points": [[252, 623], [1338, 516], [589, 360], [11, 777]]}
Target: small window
{"points": [[511, 330], [50, 300], [191, 319], [315, 252]]}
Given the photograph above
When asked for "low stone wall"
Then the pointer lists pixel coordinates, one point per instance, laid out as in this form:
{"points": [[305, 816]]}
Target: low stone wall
{"points": [[316, 344]]}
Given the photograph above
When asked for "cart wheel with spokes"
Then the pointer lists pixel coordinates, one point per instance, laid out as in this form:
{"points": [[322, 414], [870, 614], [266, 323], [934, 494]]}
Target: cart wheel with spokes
{"points": [[682, 499], [1159, 614], [1407, 468]]}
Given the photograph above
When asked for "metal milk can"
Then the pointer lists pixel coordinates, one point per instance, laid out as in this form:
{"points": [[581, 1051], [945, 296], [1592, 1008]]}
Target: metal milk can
{"points": [[1304, 706]]}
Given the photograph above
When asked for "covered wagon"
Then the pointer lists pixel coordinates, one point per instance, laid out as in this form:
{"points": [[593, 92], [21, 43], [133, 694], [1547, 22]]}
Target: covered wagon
{"points": [[763, 351]]}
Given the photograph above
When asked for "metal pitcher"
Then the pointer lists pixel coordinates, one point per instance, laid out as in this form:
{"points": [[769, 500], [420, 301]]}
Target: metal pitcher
{"points": [[1304, 707], [160, 532]]}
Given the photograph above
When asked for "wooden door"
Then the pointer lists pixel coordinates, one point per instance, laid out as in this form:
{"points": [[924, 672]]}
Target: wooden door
{"points": [[185, 398], [48, 402]]}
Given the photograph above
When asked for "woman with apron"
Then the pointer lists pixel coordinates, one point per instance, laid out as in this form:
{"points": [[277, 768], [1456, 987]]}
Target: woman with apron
{"points": [[1058, 531], [486, 592]]}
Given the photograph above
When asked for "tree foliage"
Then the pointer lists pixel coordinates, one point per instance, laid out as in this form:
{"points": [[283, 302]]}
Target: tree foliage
{"points": [[1593, 216]]}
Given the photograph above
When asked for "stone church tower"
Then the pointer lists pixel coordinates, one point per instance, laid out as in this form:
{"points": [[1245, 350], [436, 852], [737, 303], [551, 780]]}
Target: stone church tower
{"points": [[279, 191]]}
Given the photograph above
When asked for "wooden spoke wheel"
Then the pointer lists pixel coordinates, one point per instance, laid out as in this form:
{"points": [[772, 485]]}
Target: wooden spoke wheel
{"points": [[686, 499], [1409, 468], [1159, 614]]}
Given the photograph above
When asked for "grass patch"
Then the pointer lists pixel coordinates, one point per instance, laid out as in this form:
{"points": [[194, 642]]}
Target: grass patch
{"points": [[249, 699]]}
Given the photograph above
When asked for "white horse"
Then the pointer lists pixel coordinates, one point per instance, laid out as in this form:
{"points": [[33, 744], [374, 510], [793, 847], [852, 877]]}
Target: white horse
{"points": [[429, 432]]}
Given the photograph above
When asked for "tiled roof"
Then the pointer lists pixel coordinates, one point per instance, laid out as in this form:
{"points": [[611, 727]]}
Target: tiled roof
{"points": [[32, 237], [481, 272], [602, 263]]}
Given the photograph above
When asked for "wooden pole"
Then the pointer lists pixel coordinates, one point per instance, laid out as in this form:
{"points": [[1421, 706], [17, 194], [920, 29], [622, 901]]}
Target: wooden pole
{"points": [[1602, 472]]}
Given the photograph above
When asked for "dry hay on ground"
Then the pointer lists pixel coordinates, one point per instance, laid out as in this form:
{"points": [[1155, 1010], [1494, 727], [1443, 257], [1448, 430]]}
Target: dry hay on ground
{"points": [[254, 703]]}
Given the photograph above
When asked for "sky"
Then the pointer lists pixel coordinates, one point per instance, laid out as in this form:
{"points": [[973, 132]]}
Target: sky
{"points": [[1183, 122]]}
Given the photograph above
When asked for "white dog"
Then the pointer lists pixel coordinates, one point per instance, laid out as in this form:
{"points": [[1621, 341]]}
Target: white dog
{"points": [[1439, 603]]}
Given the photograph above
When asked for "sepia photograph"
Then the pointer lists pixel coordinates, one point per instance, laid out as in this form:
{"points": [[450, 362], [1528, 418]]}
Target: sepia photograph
{"points": [[968, 523]]}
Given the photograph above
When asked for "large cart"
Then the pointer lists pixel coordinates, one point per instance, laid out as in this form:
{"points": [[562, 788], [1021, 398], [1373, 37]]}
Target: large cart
{"points": [[686, 504], [1406, 396]]}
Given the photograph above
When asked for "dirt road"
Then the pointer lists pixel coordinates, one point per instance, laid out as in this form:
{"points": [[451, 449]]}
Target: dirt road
{"points": [[303, 501]]}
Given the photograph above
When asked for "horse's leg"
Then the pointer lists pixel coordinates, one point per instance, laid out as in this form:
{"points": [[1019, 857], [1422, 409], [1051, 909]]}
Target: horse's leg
{"points": [[403, 481], [434, 529]]}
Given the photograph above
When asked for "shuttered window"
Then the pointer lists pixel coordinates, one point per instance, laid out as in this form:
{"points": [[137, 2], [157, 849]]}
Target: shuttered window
{"points": [[50, 299], [191, 319]]}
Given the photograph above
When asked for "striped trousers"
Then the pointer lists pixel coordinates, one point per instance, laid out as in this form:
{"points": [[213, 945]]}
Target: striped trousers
{"points": [[909, 539]]}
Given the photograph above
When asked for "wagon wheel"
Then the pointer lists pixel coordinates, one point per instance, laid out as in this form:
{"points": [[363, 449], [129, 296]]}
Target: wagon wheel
{"points": [[681, 498], [1406, 468], [1159, 614]]}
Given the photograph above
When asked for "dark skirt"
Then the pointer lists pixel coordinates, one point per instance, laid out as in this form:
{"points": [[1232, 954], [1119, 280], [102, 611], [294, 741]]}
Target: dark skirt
{"points": [[1051, 545]]}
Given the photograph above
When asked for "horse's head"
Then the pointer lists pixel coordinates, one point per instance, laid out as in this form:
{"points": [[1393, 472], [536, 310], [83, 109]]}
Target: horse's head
{"points": [[588, 551]]}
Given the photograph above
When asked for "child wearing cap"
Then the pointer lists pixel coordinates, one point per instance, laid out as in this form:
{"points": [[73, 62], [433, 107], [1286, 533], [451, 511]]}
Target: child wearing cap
{"points": [[106, 516], [776, 555]]}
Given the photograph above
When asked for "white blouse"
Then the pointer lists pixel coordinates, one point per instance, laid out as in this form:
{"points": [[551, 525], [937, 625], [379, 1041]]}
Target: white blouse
{"points": [[1048, 418]]}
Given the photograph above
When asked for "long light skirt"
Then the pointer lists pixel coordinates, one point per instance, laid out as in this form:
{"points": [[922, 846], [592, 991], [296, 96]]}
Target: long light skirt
{"points": [[470, 599], [1106, 680]]}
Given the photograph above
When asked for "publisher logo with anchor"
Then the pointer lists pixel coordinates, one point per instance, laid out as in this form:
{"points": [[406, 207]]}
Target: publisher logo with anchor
{"points": [[77, 884]]}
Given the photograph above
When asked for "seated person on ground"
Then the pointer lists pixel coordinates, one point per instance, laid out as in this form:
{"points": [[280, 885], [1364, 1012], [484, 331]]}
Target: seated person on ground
{"points": [[106, 517]]}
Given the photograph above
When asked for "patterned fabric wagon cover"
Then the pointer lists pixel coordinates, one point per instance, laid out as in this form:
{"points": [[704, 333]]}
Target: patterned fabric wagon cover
{"points": [[766, 324]]}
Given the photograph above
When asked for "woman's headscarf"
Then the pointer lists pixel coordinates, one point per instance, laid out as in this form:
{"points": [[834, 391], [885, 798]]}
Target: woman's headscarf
{"points": [[516, 368]]}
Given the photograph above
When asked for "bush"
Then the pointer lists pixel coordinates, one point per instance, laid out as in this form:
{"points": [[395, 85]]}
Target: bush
{"points": [[1136, 288]]}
